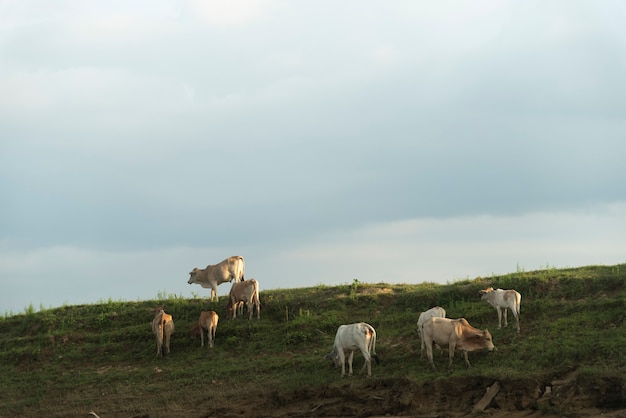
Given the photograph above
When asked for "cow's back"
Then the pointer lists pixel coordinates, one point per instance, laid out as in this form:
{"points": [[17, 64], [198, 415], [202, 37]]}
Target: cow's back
{"points": [[244, 291], [439, 330], [350, 337], [236, 267], [437, 311], [218, 273]]}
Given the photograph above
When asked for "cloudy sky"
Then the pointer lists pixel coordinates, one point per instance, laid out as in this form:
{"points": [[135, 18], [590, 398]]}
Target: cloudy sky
{"points": [[324, 141]]}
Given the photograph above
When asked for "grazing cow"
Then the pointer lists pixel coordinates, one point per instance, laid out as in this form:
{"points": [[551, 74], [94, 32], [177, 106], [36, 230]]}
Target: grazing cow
{"points": [[503, 300], [437, 311], [163, 327], [246, 291], [454, 334], [214, 275], [349, 338], [208, 321]]}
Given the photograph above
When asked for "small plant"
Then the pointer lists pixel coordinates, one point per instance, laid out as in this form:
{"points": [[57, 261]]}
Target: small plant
{"points": [[29, 310], [354, 288]]}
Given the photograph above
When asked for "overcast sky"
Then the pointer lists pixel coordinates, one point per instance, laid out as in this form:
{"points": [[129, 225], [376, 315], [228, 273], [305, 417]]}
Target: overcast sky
{"points": [[324, 141]]}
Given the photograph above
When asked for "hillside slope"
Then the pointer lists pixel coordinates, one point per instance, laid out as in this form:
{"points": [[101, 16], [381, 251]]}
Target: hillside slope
{"points": [[569, 357]]}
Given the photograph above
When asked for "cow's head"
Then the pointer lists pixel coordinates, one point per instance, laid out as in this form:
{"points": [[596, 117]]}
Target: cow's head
{"points": [[487, 340], [192, 275], [485, 292], [195, 331], [334, 357], [230, 308]]}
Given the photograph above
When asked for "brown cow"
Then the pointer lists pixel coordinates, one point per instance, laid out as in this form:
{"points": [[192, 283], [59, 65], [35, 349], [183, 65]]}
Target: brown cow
{"points": [[246, 291], [163, 327], [214, 275], [208, 321], [454, 334]]}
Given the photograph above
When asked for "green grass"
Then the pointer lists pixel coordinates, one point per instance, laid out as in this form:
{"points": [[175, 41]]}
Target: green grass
{"points": [[71, 359]]}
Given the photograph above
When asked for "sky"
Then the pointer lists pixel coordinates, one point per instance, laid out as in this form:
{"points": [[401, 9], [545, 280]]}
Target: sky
{"points": [[398, 142]]}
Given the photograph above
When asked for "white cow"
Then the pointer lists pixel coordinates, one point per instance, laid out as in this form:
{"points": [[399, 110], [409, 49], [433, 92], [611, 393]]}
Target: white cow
{"points": [[437, 312], [246, 291], [503, 300], [349, 338], [214, 275], [163, 327], [454, 334], [208, 321]]}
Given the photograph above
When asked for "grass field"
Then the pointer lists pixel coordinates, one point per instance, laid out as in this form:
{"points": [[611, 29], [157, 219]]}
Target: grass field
{"points": [[70, 360]]}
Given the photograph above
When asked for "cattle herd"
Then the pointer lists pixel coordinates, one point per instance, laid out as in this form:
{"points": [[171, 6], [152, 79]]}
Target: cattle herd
{"points": [[433, 327]]}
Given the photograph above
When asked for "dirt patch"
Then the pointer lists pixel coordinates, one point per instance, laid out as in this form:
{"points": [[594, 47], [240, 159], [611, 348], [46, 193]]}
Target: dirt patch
{"points": [[567, 395]]}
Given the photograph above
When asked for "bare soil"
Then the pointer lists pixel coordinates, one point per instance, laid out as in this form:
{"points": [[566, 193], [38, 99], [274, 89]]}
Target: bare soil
{"points": [[568, 395]]}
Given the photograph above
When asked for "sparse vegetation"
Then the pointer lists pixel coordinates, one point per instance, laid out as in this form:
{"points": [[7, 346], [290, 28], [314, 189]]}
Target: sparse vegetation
{"points": [[70, 360]]}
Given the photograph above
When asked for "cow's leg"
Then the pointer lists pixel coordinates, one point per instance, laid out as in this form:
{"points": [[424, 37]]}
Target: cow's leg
{"points": [[234, 304], [367, 363], [342, 359], [159, 341], [451, 347], [499, 317], [466, 359], [350, 357], [516, 315], [202, 336], [506, 311], [429, 353], [251, 309], [258, 309], [167, 343]]}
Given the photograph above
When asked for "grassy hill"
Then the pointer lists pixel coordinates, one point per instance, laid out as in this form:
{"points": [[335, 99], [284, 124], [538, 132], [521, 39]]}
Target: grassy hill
{"points": [[101, 357]]}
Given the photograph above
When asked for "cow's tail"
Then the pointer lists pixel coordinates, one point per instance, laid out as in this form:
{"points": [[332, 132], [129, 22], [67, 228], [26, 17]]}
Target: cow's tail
{"points": [[243, 268], [518, 302], [162, 336], [373, 345], [257, 300]]}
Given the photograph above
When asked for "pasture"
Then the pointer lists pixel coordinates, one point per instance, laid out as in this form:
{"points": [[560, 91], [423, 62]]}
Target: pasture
{"points": [[70, 360]]}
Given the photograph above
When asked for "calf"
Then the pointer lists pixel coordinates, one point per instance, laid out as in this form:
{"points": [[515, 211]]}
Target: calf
{"points": [[502, 300], [455, 334], [246, 291], [163, 327], [349, 338], [208, 321]]}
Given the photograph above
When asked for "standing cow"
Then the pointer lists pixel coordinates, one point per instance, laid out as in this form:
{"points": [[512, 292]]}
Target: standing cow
{"points": [[163, 327], [247, 292], [349, 338], [214, 275], [502, 300], [208, 321], [437, 311], [455, 334]]}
